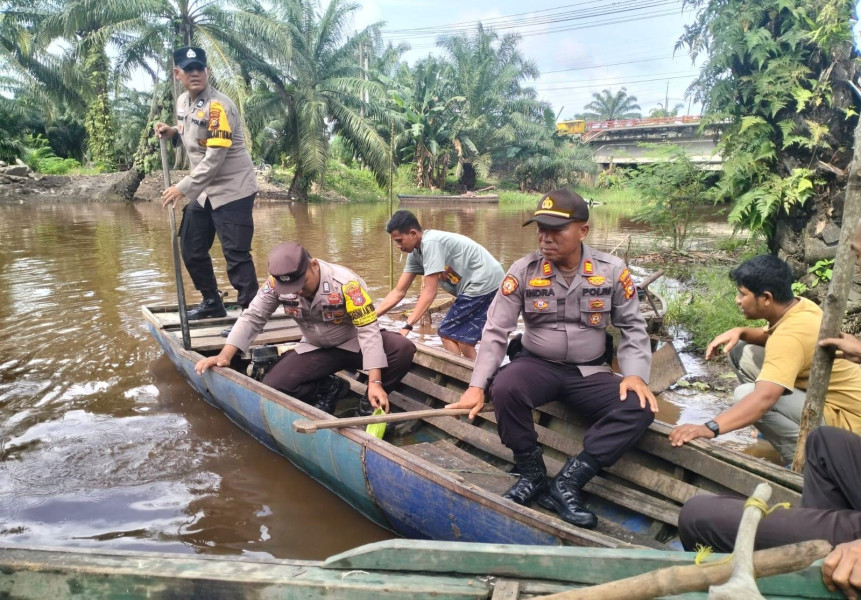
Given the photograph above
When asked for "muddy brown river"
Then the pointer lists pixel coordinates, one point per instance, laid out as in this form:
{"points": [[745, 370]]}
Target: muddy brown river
{"points": [[102, 443]]}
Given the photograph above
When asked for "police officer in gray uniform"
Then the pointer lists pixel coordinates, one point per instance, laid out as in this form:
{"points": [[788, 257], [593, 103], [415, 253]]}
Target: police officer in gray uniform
{"points": [[220, 187], [568, 294], [339, 326]]}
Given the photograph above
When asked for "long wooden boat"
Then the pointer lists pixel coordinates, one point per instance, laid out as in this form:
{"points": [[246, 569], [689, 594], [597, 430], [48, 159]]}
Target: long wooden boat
{"points": [[394, 569], [443, 481], [460, 199]]}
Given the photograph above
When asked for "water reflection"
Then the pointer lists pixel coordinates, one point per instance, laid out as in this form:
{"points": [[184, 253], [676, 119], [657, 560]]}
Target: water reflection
{"points": [[103, 444]]}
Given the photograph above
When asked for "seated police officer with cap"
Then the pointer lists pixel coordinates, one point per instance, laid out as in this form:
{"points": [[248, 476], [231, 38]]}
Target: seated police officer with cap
{"points": [[568, 293], [331, 305], [220, 188]]}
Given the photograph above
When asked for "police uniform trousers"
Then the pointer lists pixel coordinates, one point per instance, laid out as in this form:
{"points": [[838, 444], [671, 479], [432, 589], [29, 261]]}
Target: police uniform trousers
{"points": [[529, 382], [297, 374], [830, 502], [234, 226]]}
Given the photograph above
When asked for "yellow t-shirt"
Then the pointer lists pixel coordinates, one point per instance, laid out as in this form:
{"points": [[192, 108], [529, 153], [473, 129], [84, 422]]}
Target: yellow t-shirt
{"points": [[789, 354]]}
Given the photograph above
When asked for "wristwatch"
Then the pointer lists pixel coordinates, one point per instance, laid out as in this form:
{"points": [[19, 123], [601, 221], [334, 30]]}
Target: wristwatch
{"points": [[407, 326], [713, 427]]}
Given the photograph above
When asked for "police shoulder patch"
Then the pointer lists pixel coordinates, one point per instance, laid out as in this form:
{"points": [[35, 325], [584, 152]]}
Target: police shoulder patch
{"points": [[268, 287], [628, 284], [358, 304], [509, 285]]}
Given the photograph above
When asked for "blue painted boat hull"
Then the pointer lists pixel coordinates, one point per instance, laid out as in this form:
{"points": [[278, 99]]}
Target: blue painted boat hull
{"points": [[388, 485]]}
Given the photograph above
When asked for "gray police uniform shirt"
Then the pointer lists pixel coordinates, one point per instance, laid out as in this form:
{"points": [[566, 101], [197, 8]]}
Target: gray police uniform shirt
{"points": [[340, 315], [566, 322], [466, 267], [211, 132]]}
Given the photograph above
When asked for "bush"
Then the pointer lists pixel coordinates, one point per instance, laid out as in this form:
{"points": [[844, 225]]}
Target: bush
{"points": [[707, 306], [54, 165]]}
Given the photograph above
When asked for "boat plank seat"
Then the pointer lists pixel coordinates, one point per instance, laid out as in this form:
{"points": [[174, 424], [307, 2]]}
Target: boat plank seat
{"points": [[474, 471], [488, 442], [628, 467], [705, 464]]}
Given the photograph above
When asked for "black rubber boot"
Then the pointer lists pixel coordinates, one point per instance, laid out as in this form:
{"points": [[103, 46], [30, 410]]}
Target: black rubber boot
{"points": [[329, 391], [364, 409], [208, 309], [565, 493], [533, 477]]}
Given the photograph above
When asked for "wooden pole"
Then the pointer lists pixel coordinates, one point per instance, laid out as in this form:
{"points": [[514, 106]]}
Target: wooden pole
{"points": [[391, 200], [693, 578], [177, 270], [305, 426], [833, 307]]}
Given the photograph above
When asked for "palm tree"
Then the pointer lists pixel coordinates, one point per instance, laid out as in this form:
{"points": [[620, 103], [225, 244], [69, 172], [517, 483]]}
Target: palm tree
{"points": [[489, 72], [607, 106], [320, 94], [660, 112], [430, 125]]}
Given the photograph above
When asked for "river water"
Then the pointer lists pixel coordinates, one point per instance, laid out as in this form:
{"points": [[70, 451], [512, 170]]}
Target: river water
{"points": [[103, 444]]}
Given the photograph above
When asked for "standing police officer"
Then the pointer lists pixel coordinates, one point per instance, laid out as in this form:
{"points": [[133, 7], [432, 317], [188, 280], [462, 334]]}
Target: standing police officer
{"points": [[220, 187], [339, 328], [568, 294]]}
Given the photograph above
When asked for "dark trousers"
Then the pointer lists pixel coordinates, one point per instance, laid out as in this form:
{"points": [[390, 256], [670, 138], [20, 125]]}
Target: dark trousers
{"points": [[234, 226], [297, 374], [529, 382], [830, 502]]}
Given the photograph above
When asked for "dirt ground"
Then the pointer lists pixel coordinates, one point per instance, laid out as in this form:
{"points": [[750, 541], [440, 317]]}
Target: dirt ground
{"points": [[151, 187]]}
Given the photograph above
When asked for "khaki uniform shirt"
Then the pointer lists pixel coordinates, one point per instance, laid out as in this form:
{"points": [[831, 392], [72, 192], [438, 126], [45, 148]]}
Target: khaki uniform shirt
{"points": [[211, 132], [341, 315], [566, 323]]}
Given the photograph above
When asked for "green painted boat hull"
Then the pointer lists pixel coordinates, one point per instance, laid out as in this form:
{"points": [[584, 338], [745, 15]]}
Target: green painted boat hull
{"points": [[411, 569]]}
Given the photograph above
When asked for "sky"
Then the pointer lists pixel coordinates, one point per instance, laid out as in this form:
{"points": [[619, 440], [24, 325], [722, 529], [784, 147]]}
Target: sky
{"points": [[580, 48]]}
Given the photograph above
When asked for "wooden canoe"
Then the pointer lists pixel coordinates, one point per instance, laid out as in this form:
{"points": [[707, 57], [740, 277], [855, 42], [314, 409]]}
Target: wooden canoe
{"points": [[460, 199], [394, 569], [444, 481]]}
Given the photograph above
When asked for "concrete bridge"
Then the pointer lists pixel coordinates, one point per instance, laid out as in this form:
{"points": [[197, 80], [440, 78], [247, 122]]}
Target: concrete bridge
{"points": [[616, 142]]}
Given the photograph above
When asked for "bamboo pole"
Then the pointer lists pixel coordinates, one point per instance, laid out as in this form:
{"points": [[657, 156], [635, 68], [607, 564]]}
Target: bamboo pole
{"points": [[833, 307]]}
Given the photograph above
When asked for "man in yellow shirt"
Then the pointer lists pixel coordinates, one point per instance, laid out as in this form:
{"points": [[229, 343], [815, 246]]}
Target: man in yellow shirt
{"points": [[773, 363]]}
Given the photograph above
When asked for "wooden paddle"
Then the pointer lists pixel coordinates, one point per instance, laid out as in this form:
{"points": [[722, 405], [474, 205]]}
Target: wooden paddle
{"points": [[177, 270], [305, 426]]}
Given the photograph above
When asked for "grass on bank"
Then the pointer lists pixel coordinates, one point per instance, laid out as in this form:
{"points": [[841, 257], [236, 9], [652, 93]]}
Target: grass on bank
{"points": [[354, 184], [704, 306]]}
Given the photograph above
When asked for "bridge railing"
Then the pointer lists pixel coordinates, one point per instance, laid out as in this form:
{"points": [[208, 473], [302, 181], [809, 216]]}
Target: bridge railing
{"points": [[625, 123]]}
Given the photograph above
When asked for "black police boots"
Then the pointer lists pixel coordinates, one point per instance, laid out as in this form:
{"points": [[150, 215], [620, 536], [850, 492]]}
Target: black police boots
{"points": [[533, 477], [364, 409], [208, 309], [565, 494], [330, 389]]}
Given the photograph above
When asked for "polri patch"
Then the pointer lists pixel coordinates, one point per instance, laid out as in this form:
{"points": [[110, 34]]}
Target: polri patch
{"points": [[628, 284], [268, 286], [596, 318], [358, 304], [509, 285]]}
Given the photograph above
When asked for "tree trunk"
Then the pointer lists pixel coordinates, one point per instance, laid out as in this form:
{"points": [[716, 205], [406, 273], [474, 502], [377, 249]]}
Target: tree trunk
{"points": [[99, 118], [468, 177], [833, 307]]}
